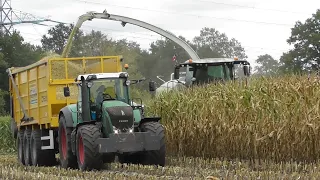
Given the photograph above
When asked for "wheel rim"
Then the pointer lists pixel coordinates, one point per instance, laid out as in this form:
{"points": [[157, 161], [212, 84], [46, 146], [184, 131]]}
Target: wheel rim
{"points": [[64, 143], [81, 150]]}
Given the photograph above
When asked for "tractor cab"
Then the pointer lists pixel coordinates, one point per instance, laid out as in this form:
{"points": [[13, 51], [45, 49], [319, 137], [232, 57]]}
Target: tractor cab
{"points": [[209, 70]]}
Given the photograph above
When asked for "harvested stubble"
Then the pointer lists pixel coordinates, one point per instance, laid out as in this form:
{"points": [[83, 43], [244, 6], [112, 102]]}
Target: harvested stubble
{"points": [[178, 168], [272, 119]]}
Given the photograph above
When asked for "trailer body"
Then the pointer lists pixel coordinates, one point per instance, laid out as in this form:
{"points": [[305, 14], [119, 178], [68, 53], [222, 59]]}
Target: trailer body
{"points": [[40, 87]]}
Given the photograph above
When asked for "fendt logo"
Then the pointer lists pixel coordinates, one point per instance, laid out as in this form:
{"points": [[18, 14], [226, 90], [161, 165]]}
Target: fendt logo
{"points": [[123, 121], [122, 113]]}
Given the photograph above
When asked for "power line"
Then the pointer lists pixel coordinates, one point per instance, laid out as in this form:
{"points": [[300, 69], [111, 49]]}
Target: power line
{"points": [[194, 15], [252, 7]]}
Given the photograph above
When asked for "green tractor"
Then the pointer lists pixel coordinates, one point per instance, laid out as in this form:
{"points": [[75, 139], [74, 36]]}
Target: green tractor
{"points": [[105, 123]]}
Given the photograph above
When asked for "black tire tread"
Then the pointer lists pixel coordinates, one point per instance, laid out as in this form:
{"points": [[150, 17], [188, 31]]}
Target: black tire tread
{"points": [[43, 157], [71, 161], [20, 136], [92, 158], [26, 145], [155, 157]]}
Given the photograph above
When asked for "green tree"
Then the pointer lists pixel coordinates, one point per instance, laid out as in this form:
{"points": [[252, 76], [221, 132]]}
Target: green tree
{"points": [[213, 44], [57, 39], [266, 65], [14, 52], [159, 61], [305, 37]]}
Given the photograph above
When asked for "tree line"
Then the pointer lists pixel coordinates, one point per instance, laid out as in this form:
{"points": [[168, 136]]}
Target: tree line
{"points": [[157, 60]]}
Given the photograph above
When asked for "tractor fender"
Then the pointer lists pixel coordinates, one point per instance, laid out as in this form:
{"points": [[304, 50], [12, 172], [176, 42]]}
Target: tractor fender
{"points": [[66, 112]]}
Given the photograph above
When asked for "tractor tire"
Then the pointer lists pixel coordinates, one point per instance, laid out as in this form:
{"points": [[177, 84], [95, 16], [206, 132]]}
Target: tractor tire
{"points": [[26, 147], [108, 158], [87, 149], [40, 157], [20, 147], [67, 158], [154, 157], [14, 128]]}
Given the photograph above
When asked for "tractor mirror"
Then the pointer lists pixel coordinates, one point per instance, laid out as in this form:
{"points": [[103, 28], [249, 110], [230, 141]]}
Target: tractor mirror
{"points": [[152, 86], [246, 70], [66, 91], [176, 73]]}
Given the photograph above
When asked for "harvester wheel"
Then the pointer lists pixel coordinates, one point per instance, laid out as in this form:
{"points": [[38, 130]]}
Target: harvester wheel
{"points": [[87, 149], [67, 158], [26, 147], [154, 157], [20, 146], [40, 157]]}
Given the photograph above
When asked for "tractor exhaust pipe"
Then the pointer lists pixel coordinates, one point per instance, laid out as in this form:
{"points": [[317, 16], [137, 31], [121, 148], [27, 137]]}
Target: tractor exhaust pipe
{"points": [[85, 101]]}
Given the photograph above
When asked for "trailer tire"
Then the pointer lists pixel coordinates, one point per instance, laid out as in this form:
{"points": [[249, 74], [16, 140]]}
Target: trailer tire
{"points": [[26, 147], [67, 158], [87, 149], [40, 157], [154, 157], [20, 148], [14, 128]]}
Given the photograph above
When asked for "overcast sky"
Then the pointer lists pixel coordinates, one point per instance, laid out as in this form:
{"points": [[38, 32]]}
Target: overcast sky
{"points": [[261, 26]]}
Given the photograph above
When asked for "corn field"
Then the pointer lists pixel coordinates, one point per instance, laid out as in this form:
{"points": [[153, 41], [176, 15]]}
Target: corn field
{"points": [[266, 130], [273, 119]]}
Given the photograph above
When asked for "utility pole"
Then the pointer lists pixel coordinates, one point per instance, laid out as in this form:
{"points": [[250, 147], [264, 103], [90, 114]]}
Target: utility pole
{"points": [[10, 17], [5, 17]]}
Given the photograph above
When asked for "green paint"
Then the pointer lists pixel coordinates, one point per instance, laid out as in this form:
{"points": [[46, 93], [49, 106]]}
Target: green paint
{"points": [[137, 115], [73, 109]]}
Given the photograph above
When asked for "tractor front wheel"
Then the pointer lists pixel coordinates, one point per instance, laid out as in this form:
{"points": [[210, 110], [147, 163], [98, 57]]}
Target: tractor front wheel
{"points": [[87, 149], [154, 157]]}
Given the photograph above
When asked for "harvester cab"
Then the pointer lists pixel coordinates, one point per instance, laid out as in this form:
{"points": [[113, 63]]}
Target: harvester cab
{"points": [[107, 124], [202, 71]]}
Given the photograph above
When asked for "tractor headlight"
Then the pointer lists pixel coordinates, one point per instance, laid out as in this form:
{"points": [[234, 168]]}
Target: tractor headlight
{"points": [[116, 131], [130, 130]]}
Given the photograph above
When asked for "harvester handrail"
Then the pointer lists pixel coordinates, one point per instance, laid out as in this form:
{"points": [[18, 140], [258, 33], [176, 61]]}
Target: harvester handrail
{"points": [[124, 20]]}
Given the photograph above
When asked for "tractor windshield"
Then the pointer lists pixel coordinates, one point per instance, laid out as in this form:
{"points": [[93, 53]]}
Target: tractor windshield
{"points": [[104, 89], [206, 73]]}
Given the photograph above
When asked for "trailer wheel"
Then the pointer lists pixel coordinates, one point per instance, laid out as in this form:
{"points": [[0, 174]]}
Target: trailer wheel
{"points": [[38, 156], [87, 149], [67, 158], [20, 146], [26, 146], [154, 157], [14, 128]]}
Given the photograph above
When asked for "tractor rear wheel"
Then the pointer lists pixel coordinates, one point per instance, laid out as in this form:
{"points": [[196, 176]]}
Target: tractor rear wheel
{"points": [[40, 157], [26, 147], [154, 157], [20, 146], [87, 149], [67, 158]]}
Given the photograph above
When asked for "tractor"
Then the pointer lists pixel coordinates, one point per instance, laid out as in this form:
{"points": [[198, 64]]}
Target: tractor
{"points": [[105, 123]]}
